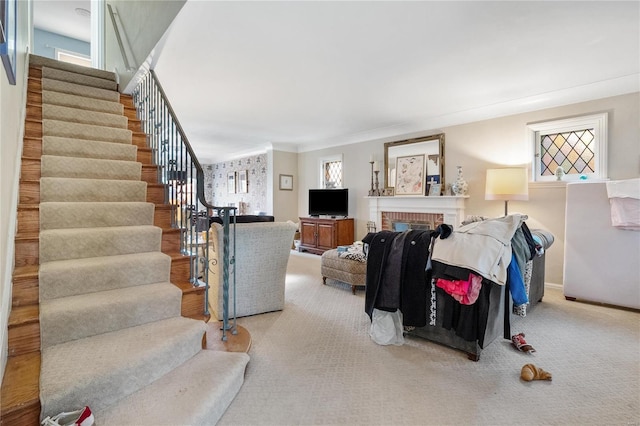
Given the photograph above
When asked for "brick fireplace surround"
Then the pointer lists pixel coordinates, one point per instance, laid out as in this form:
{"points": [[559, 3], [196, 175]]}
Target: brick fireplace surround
{"points": [[416, 209]]}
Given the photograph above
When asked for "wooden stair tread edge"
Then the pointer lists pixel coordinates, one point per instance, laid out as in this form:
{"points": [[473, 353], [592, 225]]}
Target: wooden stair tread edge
{"points": [[22, 236], [21, 315], [27, 271], [21, 383], [187, 287]]}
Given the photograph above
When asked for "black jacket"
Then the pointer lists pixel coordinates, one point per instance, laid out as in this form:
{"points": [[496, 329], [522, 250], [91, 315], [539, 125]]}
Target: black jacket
{"points": [[396, 276]]}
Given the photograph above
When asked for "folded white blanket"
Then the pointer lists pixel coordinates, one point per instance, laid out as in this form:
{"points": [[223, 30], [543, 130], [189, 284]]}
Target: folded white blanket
{"points": [[629, 188], [624, 196]]}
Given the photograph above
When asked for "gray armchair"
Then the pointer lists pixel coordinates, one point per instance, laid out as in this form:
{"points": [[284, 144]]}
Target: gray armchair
{"points": [[262, 255]]}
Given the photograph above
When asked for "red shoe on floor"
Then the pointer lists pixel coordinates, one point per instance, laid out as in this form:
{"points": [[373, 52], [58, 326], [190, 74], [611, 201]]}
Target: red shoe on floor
{"points": [[520, 344], [82, 417]]}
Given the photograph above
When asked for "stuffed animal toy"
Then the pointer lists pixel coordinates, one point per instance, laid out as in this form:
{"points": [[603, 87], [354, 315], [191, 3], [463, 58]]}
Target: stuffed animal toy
{"points": [[530, 372]]}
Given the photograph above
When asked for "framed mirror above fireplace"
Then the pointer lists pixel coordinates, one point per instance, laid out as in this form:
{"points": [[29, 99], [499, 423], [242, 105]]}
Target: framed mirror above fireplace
{"points": [[431, 147]]}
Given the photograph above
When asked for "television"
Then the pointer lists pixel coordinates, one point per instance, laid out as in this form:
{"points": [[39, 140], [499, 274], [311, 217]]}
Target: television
{"points": [[329, 202]]}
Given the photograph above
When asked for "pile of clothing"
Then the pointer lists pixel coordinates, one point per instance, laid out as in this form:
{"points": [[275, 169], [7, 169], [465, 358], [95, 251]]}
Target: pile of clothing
{"points": [[406, 269]]}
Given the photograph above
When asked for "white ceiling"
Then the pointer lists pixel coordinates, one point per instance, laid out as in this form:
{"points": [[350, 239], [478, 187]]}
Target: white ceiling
{"points": [[245, 76], [60, 17]]}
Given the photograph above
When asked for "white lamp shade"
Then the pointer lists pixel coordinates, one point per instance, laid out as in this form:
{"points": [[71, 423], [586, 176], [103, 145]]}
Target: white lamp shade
{"points": [[507, 184]]}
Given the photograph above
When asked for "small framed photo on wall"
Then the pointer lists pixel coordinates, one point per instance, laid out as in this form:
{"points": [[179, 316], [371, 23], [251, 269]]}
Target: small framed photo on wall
{"points": [[286, 183], [231, 182]]}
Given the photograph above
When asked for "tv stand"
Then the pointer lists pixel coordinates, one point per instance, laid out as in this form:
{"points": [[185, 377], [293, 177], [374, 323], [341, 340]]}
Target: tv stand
{"points": [[318, 235]]}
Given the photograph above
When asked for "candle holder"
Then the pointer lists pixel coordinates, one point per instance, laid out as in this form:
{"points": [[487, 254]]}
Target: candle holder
{"points": [[376, 192], [371, 191]]}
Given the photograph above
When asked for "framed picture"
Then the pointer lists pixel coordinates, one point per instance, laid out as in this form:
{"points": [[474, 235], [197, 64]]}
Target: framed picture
{"points": [[435, 189], [231, 182], [286, 182], [242, 182], [410, 175], [8, 38]]}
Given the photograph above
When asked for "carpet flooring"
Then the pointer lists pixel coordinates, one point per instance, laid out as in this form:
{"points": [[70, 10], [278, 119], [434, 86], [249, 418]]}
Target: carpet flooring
{"points": [[315, 364]]}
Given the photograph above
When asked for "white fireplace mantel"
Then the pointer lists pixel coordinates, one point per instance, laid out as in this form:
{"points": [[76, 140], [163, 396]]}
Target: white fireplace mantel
{"points": [[451, 207]]}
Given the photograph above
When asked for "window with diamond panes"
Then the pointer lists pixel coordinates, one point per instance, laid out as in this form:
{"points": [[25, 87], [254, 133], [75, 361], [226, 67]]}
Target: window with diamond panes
{"points": [[573, 151], [577, 145], [332, 174]]}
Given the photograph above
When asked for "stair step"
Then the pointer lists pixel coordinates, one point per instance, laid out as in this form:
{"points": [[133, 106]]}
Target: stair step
{"points": [[27, 249], [91, 190], [127, 100], [156, 193], [30, 169], [75, 115], [134, 125], [130, 112], [80, 102], [145, 155], [42, 61], [139, 139], [25, 286], [32, 147], [66, 318], [29, 192], [23, 330], [197, 392], [55, 215], [121, 362], [33, 128], [58, 279], [20, 393], [28, 218], [162, 216], [74, 89], [69, 147], [74, 77], [89, 168], [193, 301], [180, 267], [80, 243], [171, 240], [149, 173], [85, 131]]}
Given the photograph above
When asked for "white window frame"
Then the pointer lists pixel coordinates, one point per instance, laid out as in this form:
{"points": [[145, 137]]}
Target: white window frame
{"points": [[599, 124], [328, 159], [80, 58]]}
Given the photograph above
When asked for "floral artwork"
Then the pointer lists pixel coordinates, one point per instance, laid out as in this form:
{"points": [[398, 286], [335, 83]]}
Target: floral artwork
{"points": [[410, 175]]}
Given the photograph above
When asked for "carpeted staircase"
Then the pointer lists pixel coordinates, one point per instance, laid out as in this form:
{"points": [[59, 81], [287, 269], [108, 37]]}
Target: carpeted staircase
{"points": [[112, 334]]}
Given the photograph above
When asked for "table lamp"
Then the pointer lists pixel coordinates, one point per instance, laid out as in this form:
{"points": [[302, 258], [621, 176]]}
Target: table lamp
{"points": [[507, 184]]}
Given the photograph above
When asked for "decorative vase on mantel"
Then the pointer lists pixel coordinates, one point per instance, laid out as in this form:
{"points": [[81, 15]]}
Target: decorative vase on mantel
{"points": [[460, 186]]}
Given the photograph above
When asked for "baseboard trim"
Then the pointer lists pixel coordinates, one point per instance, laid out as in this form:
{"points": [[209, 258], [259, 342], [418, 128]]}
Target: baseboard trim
{"points": [[554, 286]]}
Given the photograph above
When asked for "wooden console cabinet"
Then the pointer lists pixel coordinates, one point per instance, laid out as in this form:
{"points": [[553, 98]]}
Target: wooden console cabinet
{"points": [[318, 235]]}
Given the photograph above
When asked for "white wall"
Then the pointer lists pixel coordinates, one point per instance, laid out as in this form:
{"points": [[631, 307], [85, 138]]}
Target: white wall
{"points": [[487, 144], [144, 22], [12, 108], [285, 203]]}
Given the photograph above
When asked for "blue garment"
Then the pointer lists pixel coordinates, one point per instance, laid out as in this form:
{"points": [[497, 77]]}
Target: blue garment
{"points": [[516, 283]]}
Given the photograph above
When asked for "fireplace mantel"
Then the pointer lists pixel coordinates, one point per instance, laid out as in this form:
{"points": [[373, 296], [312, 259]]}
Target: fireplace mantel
{"points": [[451, 207]]}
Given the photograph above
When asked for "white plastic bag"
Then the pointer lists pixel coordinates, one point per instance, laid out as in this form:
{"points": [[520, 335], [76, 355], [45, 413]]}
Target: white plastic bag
{"points": [[386, 327]]}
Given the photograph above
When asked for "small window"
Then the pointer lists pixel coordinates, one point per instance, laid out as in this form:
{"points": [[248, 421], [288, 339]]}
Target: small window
{"points": [[331, 172], [570, 149]]}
